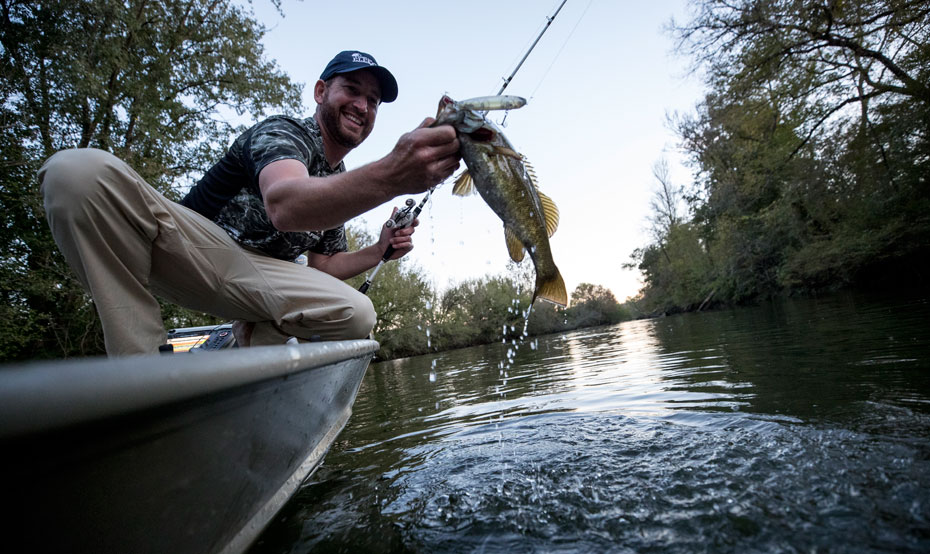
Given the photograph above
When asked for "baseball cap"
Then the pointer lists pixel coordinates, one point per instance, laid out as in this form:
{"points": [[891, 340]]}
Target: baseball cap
{"points": [[348, 61]]}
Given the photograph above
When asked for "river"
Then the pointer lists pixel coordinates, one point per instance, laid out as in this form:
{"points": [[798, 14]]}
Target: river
{"points": [[801, 425]]}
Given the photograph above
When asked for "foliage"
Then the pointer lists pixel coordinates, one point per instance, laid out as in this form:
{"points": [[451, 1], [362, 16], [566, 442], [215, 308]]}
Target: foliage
{"points": [[413, 319], [676, 272], [144, 80], [811, 151], [595, 305]]}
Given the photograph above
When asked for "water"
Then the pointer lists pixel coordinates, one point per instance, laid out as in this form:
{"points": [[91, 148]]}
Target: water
{"points": [[798, 426]]}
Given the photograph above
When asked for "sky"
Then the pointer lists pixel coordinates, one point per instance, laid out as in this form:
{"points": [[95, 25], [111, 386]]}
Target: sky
{"points": [[599, 84]]}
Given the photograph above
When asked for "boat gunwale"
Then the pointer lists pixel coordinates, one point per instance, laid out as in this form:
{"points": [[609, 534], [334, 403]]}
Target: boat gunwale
{"points": [[43, 396]]}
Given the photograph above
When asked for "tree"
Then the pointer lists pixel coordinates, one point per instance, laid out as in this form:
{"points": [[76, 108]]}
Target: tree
{"points": [[594, 305], [142, 79], [664, 203], [847, 52], [809, 173]]}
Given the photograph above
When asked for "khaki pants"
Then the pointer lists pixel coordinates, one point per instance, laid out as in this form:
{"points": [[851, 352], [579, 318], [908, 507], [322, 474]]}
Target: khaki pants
{"points": [[125, 241]]}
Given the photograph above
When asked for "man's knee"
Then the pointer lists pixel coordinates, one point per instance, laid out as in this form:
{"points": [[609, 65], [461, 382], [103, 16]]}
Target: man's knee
{"points": [[352, 316], [363, 318], [69, 178]]}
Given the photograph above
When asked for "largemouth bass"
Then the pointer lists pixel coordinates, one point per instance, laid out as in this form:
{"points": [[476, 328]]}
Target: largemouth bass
{"points": [[502, 178]]}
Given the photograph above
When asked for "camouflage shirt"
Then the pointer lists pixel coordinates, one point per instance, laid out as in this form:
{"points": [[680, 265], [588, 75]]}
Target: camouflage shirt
{"points": [[229, 193]]}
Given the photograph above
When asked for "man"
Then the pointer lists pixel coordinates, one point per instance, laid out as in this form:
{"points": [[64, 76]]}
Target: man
{"points": [[228, 250]]}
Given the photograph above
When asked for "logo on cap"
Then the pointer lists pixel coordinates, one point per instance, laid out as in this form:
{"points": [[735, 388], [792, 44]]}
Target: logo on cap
{"points": [[358, 57]]}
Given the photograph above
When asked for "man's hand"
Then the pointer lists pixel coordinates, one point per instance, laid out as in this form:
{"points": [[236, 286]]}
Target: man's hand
{"points": [[399, 238], [423, 158], [296, 201]]}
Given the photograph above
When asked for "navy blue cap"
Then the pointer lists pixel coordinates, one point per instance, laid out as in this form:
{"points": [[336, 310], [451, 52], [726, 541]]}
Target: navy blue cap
{"points": [[353, 60]]}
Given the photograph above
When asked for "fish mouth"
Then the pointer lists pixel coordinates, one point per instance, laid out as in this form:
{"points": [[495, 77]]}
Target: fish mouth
{"points": [[482, 134]]}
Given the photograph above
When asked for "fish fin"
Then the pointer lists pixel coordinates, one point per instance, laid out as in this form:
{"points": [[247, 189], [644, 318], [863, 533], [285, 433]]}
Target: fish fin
{"points": [[509, 152], [514, 246], [464, 184], [550, 212], [530, 171], [552, 291]]}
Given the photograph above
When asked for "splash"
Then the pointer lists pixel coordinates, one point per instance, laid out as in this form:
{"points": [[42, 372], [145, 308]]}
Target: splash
{"points": [[509, 334]]}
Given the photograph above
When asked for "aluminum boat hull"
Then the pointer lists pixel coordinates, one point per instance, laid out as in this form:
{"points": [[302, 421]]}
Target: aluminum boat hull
{"points": [[172, 453]]}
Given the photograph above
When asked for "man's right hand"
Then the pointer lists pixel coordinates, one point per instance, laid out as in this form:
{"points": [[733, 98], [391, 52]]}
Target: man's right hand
{"points": [[295, 201], [423, 158]]}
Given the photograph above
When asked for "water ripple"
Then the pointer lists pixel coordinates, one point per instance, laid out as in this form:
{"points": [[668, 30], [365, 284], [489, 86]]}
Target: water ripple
{"points": [[796, 426]]}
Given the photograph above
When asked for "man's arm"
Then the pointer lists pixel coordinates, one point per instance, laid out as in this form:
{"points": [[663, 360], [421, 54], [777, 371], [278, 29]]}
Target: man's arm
{"points": [[295, 201], [345, 265]]}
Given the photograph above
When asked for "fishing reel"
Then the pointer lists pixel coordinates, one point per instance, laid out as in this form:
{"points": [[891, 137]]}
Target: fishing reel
{"points": [[404, 217]]}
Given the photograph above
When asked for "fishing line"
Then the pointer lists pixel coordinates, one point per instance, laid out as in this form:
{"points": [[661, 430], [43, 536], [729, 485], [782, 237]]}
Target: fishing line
{"points": [[526, 46], [530, 43], [507, 80], [559, 53], [549, 21]]}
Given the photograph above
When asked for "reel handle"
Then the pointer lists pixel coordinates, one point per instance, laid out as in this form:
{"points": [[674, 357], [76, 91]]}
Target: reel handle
{"points": [[402, 218]]}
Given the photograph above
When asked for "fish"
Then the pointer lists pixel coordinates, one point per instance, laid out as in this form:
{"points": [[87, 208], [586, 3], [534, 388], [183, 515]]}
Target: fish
{"points": [[506, 182]]}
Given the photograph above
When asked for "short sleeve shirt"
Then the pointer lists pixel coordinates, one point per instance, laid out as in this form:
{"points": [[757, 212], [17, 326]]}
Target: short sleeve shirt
{"points": [[229, 193]]}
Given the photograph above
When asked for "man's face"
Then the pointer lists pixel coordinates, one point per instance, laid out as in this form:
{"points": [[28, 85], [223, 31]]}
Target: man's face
{"points": [[348, 107]]}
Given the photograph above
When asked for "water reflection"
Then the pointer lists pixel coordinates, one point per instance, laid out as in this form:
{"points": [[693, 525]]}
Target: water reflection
{"points": [[808, 359], [799, 425]]}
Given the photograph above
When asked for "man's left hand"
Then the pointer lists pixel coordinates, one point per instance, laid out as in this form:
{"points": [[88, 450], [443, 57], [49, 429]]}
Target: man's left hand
{"points": [[401, 239]]}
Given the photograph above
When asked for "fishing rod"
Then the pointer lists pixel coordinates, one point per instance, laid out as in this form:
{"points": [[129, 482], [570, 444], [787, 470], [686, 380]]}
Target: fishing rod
{"points": [[403, 218], [406, 216], [549, 21]]}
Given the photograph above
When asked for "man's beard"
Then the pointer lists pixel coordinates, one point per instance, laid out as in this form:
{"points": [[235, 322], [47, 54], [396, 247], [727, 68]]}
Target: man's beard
{"points": [[329, 118]]}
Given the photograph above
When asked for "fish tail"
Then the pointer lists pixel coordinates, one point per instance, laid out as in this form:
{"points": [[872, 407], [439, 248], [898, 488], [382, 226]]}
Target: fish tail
{"points": [[552, 290]]}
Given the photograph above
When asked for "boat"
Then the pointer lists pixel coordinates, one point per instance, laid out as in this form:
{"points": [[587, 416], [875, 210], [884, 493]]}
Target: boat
{"points": [[184, 452], [206, 337]]}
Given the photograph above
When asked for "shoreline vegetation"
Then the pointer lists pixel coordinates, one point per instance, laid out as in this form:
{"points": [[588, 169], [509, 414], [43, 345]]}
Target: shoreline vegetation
{"points": [[415, 319], [810, 154]]}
